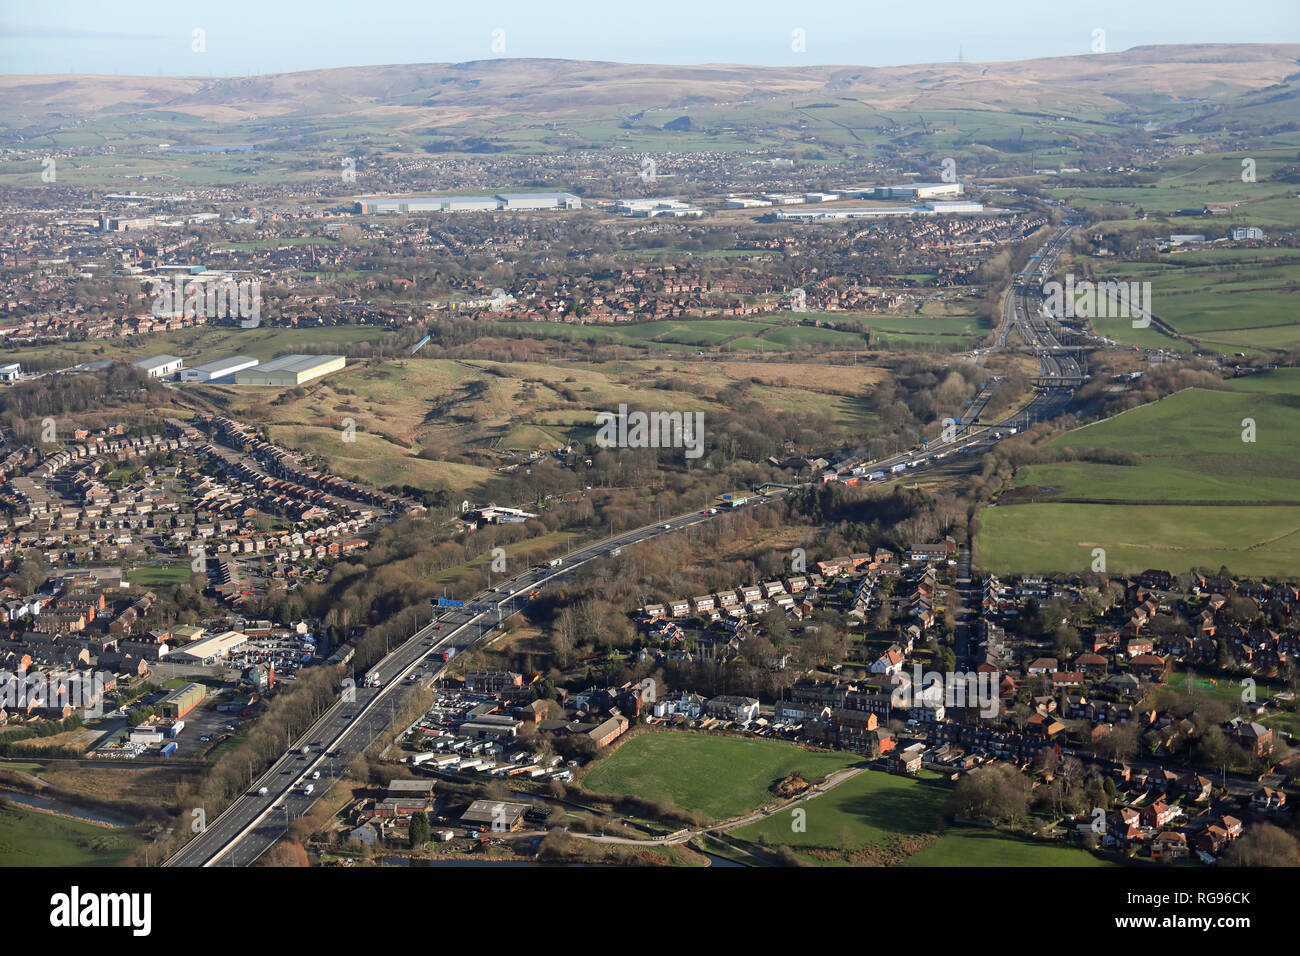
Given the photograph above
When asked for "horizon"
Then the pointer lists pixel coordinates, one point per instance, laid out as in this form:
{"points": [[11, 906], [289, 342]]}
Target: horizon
{"points": [[240, 38], [647, 63]]}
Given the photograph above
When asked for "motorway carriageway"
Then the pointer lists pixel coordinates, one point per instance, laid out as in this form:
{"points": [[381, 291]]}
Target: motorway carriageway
{"points": [[252, 824]]}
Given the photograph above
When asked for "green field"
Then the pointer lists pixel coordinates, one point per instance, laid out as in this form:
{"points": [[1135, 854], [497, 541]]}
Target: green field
{"points": [[1221, 299], [149, 577], [1241, 499], [1193, 181], [205, 343], [989, 848], [1034, 538], [718, 776], [35, 838], [866, 810], [1191, 447]]}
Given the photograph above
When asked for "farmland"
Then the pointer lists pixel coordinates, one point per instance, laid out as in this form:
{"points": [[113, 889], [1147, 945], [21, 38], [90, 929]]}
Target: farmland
{"points": [[1241, 497], [1222, 299]]}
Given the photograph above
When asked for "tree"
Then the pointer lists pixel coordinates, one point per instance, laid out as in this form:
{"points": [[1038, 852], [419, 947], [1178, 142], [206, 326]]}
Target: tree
{"points": [[997, 793], [1264, 845], [419, 829]]}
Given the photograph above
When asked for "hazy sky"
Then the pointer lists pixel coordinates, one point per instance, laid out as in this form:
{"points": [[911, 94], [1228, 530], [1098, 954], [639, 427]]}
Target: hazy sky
{"points": [[242, 37]]}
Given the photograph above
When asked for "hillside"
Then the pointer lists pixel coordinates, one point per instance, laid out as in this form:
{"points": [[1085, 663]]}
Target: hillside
{"points": [[411, 96]]}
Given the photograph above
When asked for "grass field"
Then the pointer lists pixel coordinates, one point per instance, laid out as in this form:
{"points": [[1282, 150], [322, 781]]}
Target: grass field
{"points": [[1191, 447], [412, 414], [1193, 181], [972, 847], [1192, 451], [1219, 299], [1028, 539], [718, 776], [151, 576], [35, 838], [1226, 689], [866, 810], [203, 344]]}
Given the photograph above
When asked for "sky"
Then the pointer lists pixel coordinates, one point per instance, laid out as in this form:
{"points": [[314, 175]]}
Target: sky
{"points": [[240, 37]]}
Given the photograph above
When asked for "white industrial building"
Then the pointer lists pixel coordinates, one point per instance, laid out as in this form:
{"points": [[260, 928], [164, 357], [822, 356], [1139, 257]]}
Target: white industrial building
{"points": [[919, 191], [10, 372], [881, 212], [499, 202], [539, 201], [290, 370], [217, 369], [209, 650], [159, 366], [656, 208]]}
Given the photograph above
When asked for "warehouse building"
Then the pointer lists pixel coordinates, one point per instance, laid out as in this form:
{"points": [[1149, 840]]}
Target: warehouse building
{"points": [[881, 212], [290, 370], [919, 191], [223, 368], [209, 650], [499, 202], [539, 201], [494, 815], [180, 702], [159, 366]]}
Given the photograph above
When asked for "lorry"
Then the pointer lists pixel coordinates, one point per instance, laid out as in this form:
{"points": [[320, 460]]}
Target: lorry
{"points": [[262, 791], [554, 562], [169, 749], [897, 468], [875, 476], [446, 655]]}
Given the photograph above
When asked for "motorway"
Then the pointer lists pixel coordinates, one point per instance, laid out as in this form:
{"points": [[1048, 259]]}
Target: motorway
{"points": [[252, 824]]}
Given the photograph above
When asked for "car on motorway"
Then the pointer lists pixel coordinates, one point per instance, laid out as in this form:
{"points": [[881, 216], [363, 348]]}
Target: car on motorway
{"points": [[668, 527]]}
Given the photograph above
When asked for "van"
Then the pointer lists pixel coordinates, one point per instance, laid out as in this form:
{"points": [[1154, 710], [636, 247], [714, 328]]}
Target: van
{"points": [[309, 789], [262, 791]]}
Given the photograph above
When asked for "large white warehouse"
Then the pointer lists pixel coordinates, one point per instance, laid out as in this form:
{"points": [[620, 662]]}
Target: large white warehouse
{"points": [[499, 202], [217, 369], [159, 366]]}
